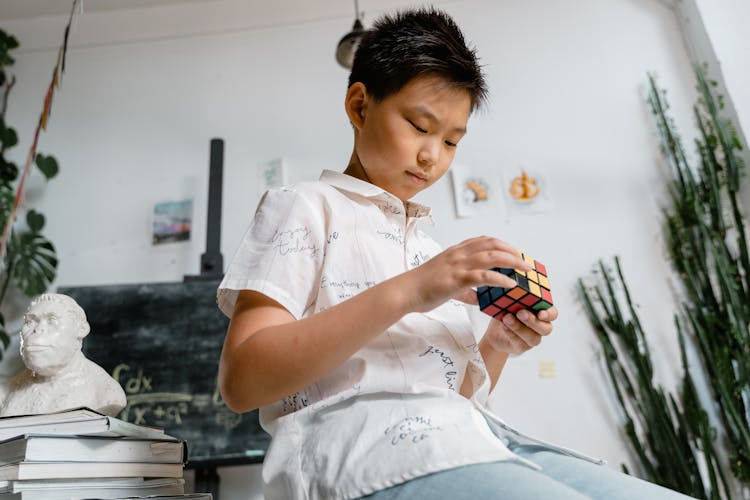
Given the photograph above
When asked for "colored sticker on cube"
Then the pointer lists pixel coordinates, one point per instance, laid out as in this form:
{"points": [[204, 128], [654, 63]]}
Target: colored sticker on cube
{"points": [[532, 291]]}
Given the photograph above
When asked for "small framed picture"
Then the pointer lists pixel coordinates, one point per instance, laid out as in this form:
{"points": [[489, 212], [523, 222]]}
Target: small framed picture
{"points": [[526, 192], [173, 221], [472, 193]]}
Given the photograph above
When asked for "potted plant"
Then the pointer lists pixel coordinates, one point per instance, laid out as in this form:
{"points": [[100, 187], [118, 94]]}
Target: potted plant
{"points": [[29, 261]]}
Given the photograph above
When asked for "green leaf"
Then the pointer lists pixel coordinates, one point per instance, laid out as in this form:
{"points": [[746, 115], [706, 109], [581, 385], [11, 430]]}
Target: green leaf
{"points": [[9, 137], [47, 165], [35, 220], [7, 41], [8, 171], [35, 262]]}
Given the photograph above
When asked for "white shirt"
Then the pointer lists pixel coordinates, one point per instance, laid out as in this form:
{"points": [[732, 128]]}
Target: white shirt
{"points": [[392, 411]]}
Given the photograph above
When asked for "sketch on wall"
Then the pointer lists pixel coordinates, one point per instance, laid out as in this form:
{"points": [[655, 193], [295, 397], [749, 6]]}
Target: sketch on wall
{"points": [[526, 192], [472, 193]]}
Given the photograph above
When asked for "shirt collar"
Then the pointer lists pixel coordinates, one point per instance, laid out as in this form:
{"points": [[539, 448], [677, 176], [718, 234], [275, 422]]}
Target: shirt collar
{"points": [[351, 184]]}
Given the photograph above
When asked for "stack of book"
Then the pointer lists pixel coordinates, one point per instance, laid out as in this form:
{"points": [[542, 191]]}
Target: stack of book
{"points": [[82, 454]]}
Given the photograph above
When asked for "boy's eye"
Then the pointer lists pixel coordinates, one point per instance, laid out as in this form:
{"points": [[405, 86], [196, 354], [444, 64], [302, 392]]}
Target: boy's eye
{"points": [[451, 144], [419, 129]]}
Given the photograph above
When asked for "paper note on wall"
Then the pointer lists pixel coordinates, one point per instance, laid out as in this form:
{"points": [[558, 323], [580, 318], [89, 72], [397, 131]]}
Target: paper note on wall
{"points": [[271, 174]]}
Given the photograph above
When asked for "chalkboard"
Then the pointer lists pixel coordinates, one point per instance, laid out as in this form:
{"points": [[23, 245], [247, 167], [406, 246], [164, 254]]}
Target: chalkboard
{"points": [[162, 343]]}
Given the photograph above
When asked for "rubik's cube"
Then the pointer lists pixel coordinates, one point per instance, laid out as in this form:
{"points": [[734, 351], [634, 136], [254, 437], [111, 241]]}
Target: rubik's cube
{"points": [[532, 291]]}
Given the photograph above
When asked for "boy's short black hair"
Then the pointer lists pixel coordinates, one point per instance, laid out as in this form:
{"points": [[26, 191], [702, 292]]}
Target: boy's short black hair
{"points": [[412, 43]]}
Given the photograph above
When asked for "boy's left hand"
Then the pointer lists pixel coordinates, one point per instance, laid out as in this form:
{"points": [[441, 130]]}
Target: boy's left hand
{"points": [[518, 333]]}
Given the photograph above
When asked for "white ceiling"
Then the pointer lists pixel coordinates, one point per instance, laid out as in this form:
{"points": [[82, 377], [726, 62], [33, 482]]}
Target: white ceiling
{"points": [[19, 9]]}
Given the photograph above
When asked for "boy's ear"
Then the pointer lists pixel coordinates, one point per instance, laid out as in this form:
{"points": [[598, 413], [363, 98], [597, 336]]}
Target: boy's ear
{"points": [[356, 103]]}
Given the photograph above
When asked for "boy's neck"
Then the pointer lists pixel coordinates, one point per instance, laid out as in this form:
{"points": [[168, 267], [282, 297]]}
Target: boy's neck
{"points": [[355, 169]]}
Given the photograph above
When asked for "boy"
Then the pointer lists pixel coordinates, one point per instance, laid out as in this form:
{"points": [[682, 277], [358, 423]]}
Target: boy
{"points": [[347, 330]]}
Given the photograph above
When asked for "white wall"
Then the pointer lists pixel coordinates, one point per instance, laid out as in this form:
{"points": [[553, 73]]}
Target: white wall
{"points": [[725, 22], [715, 36], [145, 90]]}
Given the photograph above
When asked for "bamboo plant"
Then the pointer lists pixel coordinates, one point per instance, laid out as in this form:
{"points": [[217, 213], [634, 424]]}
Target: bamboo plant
{"points": [[671, 437], [706, 239], [705, 233]]}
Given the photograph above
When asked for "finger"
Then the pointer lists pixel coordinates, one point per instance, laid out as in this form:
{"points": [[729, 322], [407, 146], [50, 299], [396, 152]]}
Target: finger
{"points": [[487, 242], [501, 254], [517, 343], [534, 323], [503, 339], [529, 336], [497, 258], [488, 277], [548, 314]]}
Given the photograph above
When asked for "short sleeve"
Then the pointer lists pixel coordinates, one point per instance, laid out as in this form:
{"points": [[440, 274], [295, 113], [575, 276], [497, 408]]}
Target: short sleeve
{"points": [[281, 254]]}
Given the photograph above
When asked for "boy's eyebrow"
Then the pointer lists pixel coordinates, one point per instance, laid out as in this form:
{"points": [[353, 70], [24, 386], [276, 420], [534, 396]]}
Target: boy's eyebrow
{"points": [[430, 116]]}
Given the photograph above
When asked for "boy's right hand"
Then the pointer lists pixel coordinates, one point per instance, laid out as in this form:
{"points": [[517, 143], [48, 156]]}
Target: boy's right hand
{"points": [[453, 272]]}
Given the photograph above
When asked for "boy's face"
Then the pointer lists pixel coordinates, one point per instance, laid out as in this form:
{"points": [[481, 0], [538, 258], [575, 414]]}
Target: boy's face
{"points": [[407, 141]]}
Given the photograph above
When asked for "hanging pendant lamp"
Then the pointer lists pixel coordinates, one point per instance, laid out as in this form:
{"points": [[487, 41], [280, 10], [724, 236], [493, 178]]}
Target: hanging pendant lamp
{"points": [[348, 44]]}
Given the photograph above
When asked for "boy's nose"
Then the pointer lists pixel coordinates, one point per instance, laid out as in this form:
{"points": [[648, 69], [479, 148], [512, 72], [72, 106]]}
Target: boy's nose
{"points": [[428, 154]]}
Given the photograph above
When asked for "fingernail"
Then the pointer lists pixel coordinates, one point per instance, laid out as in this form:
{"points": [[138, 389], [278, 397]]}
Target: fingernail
{"points": [[523, 315], [508, 320]]}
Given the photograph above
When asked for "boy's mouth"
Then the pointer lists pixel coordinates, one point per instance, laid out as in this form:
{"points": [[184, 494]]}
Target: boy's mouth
{"points": [[416, 177]]}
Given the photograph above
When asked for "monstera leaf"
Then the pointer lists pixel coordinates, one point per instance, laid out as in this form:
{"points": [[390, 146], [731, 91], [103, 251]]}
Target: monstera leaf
{"points": [[34, 262]]}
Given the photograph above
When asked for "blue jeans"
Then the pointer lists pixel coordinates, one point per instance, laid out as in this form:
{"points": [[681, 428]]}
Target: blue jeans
{"points": [[562, 478]]}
